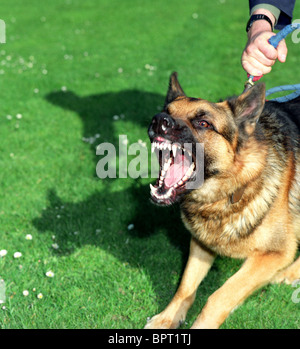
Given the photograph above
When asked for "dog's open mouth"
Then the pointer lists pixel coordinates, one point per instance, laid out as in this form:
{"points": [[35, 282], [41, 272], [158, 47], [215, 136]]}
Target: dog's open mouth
{"points": [[176, 169]]}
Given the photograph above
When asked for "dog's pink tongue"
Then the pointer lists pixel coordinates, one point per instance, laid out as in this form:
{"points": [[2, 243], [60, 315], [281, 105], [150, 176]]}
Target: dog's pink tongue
{"points": [[177, 170]]}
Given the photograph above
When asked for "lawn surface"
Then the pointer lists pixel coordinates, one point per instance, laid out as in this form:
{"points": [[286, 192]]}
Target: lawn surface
{"points": [[67, 70]]}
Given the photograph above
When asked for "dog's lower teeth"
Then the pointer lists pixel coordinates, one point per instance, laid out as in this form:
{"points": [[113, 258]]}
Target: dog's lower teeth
{"points": [[185, 178], [166, 166], [153, 189]]}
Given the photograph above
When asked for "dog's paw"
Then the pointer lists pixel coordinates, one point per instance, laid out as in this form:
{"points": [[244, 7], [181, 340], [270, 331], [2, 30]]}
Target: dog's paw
{"points": [[288, 277], [160, 321]]}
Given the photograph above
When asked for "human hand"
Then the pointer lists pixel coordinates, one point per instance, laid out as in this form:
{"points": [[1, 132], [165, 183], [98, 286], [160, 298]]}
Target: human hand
{"points": [[259, 56]]}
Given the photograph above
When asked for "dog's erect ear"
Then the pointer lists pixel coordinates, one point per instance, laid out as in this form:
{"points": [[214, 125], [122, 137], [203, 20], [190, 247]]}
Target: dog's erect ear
{"points": [[174, 91], [248, 107]]}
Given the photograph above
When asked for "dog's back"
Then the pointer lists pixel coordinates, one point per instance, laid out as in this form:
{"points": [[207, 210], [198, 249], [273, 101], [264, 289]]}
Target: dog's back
{"points": [[284, 121]]}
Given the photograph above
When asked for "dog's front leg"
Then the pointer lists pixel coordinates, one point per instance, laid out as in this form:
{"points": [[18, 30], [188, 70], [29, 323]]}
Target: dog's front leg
{"points": [[198, 264], [255, 272]]}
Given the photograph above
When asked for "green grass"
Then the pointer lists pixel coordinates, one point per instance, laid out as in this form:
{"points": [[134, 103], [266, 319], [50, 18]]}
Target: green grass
{"points": [[68, 67]]}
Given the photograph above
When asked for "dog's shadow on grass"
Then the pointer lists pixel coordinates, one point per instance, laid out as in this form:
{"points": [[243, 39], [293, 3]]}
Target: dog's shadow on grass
{"points": [[125, 223]]}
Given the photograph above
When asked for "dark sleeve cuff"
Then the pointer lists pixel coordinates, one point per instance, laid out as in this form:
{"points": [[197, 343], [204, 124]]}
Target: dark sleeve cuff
{"points": [[286, 8]]}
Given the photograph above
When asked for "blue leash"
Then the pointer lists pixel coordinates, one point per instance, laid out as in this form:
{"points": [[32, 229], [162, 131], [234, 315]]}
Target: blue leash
{"points": [[286, 98], [274, 41]]}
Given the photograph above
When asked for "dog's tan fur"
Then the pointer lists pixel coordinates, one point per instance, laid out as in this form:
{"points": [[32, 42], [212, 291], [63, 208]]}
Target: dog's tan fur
{"points": [[262, 226]]}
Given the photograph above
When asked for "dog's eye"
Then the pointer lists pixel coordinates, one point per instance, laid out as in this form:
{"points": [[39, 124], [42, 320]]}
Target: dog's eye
{"points": [[202, 124]]}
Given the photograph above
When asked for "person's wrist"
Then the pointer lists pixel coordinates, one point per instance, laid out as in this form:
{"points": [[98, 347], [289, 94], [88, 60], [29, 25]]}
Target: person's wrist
{"points": [[261, 25]]}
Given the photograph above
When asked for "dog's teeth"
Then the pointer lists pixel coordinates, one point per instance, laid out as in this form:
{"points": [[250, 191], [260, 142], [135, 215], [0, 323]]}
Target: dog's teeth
{"points": [[169, 146], [185, 178], [166, 166], [169, 193], [152, 147], [153, 189], [163, 172], [180, 182], [190, 170], [174, 149]]}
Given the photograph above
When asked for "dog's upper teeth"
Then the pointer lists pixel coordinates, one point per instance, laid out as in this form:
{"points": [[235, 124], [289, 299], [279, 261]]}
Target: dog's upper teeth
{"points": [[174, 149]]}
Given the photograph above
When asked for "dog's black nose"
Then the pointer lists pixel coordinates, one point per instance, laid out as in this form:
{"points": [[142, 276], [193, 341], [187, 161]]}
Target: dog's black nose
{"points": [[161, 124]]}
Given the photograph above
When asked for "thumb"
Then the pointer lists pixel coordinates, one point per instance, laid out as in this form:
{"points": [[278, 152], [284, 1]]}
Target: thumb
{"points": [[282, 51]]}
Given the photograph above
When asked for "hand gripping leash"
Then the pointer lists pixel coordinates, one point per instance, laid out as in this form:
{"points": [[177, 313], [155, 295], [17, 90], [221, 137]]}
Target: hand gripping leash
{"points": [[274, 41]]}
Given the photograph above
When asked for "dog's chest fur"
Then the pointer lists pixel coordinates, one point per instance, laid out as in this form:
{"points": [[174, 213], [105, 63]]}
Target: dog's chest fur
{"points": [[226, 227]]}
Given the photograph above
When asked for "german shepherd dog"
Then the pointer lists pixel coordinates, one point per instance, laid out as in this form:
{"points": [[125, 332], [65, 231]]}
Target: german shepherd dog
{"points": [[249, 202]]}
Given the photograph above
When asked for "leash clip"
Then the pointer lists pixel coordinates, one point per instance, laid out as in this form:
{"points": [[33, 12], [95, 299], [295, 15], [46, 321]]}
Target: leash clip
{"points": [[248, 84]]}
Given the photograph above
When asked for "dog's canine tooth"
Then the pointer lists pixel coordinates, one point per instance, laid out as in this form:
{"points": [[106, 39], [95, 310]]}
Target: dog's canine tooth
{"points": [[163, 173], [174, 149], [152, 147], [170, 146], [153, 189]]}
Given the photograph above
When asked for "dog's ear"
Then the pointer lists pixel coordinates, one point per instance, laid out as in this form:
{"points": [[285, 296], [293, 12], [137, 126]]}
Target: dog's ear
{"points": [[248, 107], [174, 91]]}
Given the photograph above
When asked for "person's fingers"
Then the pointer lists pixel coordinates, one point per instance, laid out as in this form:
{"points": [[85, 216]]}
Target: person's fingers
{"points": [[282, 51], [265, 47], [253, 51], [254, 67]]}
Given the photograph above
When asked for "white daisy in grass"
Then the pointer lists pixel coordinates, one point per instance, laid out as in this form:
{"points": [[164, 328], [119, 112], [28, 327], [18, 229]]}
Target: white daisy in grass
{"points": [[50, 274]]}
